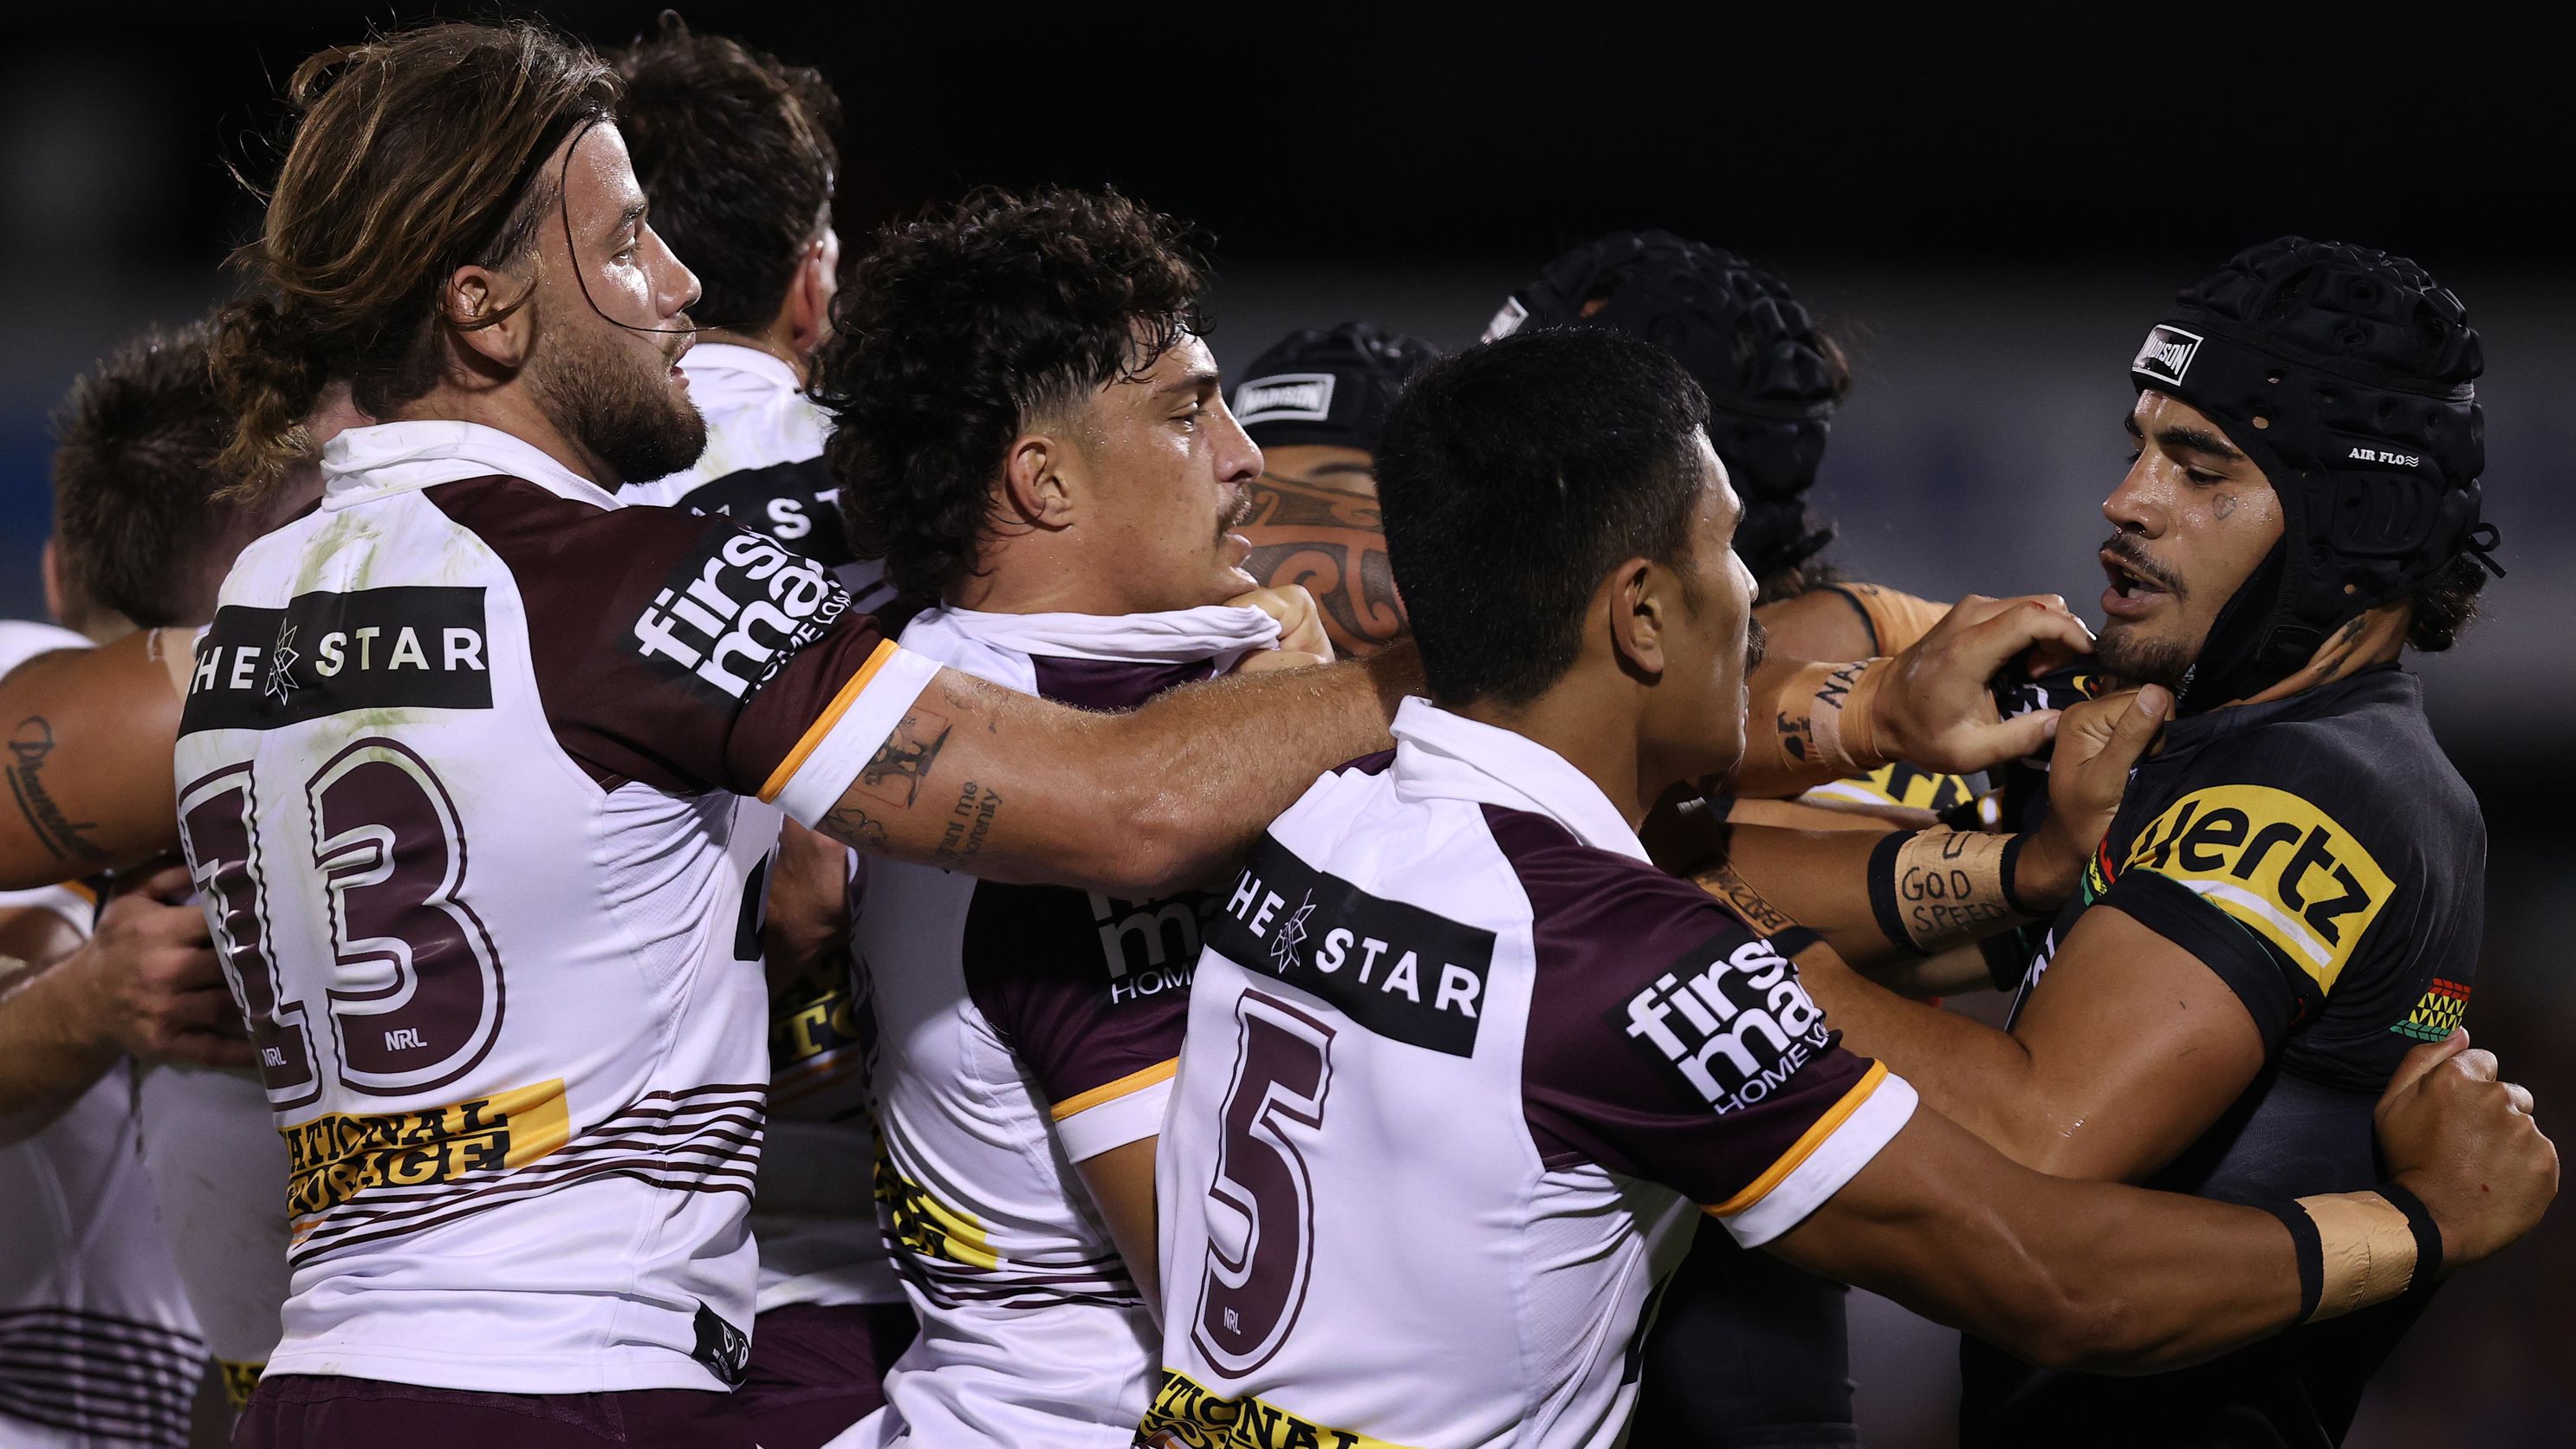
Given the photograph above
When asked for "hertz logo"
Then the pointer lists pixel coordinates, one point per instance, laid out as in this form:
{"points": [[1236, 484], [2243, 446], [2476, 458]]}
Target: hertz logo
{"points": [[1185, 1415], [2276, 864]]}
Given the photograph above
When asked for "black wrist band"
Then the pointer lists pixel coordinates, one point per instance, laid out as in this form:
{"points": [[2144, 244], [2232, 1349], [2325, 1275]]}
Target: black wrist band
{"points": [[2311, 1251], [1882, 889], [2012, 860], [2428, 1240]]}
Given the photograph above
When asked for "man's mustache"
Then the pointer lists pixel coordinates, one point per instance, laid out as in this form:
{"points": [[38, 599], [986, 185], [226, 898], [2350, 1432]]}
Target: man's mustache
{"points": [[1757, 643], [1235, 512], [2133, 556]]}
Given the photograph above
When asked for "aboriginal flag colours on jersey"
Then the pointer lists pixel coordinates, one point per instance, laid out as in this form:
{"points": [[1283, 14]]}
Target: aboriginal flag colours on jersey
{"points": [[2321, 855]]}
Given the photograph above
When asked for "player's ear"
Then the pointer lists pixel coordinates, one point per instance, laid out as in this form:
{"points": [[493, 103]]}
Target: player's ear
{"points": [[54, 595], [1035, 488], [1639, 603], [809, 296], [487, 312]]}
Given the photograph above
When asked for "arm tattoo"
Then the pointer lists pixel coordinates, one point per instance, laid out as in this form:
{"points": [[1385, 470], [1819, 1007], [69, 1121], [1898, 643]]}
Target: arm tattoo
{"points": [[969, 821], [851, 826], [894, 774], [30, 745]]}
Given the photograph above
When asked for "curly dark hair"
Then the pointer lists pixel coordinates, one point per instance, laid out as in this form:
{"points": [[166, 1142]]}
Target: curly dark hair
{"points": [[956, 333], [735, 149], [2446, 605]]}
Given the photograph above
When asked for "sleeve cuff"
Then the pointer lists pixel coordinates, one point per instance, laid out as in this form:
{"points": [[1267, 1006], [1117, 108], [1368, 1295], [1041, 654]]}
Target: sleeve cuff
{"points": [[1096, 1123], [1840, 1144], [72, 901], [811, 780], [2233, 953]]}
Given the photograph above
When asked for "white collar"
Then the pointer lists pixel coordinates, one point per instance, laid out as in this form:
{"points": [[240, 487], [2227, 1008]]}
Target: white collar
{"points": [[364, 463], [735, 364], [1178, 636], [1439, 755]]}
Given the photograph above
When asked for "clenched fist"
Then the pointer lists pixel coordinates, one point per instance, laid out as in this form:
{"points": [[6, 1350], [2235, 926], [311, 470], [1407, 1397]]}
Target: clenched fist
{"points": [[2465, 1143], [1302, 640]]}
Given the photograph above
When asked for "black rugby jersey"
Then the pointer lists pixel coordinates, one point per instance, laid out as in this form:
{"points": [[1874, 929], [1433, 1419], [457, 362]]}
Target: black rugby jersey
{"points": [[2324, 858]]}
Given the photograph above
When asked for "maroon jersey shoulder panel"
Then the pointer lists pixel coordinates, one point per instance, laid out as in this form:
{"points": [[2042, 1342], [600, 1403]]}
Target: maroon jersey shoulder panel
{"points": [[1111, 683], [1085, 989], [673, 649], [1666, 1040]]}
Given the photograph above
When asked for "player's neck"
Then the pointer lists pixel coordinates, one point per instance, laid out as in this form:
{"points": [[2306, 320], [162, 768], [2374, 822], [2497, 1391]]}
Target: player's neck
{"points": [[1587, 730], [512, 409], [2376, 638], [772, 341]]}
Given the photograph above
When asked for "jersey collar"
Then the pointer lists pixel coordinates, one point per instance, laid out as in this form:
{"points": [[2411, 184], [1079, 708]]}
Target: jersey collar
{"points": [[725, 374], [1181, 636], [370, 462], [1444, 756]]}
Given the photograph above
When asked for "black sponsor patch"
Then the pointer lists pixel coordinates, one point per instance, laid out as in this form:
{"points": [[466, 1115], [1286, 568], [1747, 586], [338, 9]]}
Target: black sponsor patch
{"points": [[737, 608], [409, 647], [795, 503], [1728, 1022], [722, 1348], [1398, 970]]}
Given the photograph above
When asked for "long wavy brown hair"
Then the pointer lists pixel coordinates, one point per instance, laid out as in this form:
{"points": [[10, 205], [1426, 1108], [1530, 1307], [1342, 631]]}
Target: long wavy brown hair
{"points": [[411, 155]]}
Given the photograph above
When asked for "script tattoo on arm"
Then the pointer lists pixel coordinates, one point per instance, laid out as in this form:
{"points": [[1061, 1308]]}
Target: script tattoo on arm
{"points": [[969, 821], [895, 772], [30, 745]]}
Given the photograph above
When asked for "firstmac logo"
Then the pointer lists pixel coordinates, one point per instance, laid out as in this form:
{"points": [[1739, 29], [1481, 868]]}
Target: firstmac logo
{"points": [[2166, 355]]}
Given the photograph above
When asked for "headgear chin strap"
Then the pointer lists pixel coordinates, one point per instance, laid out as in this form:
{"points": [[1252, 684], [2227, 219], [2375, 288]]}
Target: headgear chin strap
{"points": [[2346, 375]]}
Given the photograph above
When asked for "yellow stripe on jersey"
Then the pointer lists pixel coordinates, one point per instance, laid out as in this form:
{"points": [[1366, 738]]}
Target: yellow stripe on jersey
{"points": [[1186, 1414], [338, 1155], [831, 716], [1127, 1085], [2276, 865], [1806, 1145]]}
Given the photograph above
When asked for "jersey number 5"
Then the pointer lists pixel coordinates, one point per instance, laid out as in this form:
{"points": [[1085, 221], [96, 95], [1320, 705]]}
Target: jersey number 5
{"points": [[1250, 1297], [417, 994]]}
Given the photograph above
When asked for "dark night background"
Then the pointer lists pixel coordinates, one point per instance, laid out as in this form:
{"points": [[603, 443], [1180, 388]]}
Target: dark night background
{"points": [[1989, 209]]}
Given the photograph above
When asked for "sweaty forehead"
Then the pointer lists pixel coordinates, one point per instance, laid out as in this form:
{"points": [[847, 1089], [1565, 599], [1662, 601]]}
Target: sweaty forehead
{"points": [[599, 184]]}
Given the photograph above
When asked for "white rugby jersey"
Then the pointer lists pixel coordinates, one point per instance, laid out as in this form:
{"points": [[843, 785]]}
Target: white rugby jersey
{"points": [[97, 1346], [764, 464], [1020, 1030], [1459, 1064], [218, 1171], [812, 1213], [461, 772]]}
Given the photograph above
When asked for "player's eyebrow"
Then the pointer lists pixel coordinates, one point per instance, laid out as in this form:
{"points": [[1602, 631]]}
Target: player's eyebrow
{"points": [[2184, 438], [632, 216], [1199, 379]]}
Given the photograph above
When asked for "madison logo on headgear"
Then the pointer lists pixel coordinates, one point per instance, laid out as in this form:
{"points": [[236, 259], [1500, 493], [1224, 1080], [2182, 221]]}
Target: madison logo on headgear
{"points": [[2166, 354], [734, 612], [1285, 397], [1730, 1028]]}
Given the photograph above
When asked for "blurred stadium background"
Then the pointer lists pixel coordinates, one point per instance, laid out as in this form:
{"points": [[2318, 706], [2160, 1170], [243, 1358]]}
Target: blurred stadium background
{"points": [[1988, 212]]}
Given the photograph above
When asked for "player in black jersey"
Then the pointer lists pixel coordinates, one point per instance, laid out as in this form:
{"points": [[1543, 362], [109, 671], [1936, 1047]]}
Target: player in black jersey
{"points": [[2291, 893]]}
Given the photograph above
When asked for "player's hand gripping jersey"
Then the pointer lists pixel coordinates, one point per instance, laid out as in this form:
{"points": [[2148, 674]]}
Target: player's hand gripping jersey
{"points": [[1022, 1030], [2321, 855], [764, 466], [1460, 1065], [461, 774]]}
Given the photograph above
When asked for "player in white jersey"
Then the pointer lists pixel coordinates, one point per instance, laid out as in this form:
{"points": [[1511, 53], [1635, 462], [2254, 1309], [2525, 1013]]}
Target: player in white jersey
{"points": [[463, 758], [1461, 1060], [98, 1349], [1023, 1036], [140, 541], [738, 153]]}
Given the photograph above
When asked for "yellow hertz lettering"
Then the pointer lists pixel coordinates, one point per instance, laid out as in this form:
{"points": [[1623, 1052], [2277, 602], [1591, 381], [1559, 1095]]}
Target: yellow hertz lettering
{"points": [[333, 1158], [1897, 784], [1186, 1416], [2276, 864]]}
